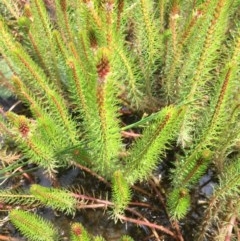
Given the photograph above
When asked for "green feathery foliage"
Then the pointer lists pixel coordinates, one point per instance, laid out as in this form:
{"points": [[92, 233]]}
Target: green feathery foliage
{"points": [[58, 199], [200, 44], [190, 168], [27, 136], [79, 233], [179, 202], [33, 227], [23, 220], [11, 161], [126, 238], [121, 193], [222, 202], [18, 197], [145, 153], [75, 64], [98, 238]]}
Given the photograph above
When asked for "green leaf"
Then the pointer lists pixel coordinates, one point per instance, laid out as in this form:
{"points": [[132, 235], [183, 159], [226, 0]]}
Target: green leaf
{"points": [[99, 238], [79, 233], [121, 193], [155, 140], [178, 203], [17, 197], [33, 227], [58, 199], [126, 238]]}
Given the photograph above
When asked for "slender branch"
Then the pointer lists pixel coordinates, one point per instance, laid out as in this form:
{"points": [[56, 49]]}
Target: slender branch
{"points": [[100, 178], [142, 121], [160, 197], [151, 225], [128, 134], [142, 191], [88, 198], [230, 228], [146, 205], [104, 203], [7, 238], [92, 206], [142, 217], [14, 105]]}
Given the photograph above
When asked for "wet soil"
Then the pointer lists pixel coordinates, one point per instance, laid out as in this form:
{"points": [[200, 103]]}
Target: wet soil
{"points": [[98, 221]]}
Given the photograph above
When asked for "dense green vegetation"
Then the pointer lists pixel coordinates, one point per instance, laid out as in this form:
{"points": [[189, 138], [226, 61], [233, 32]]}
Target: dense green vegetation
{"points": [[77, 65]]}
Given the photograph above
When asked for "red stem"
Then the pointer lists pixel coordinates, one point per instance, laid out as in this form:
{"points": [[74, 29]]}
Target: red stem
{"points": [[92, 173], [84, 197], [230, 228], [7, 238], [161, 199], [151, 225], [104, 203], [129, 134]]}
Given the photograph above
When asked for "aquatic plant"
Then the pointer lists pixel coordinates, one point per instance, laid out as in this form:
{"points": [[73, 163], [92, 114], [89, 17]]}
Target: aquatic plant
{"points": [[76, 65]]}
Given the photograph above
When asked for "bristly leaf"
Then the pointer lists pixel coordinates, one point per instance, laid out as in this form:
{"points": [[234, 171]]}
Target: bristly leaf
{"points": [[126, 238], [99, 238], [30, 143], [196, 73], [58, 199], [76, 63], [178, 203], [79, 233], [18, 197], [155, 140], [215, 129], [33, 227], [225, 193], [121, 193], [43, 44], [229, 182], [105, 137]]}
